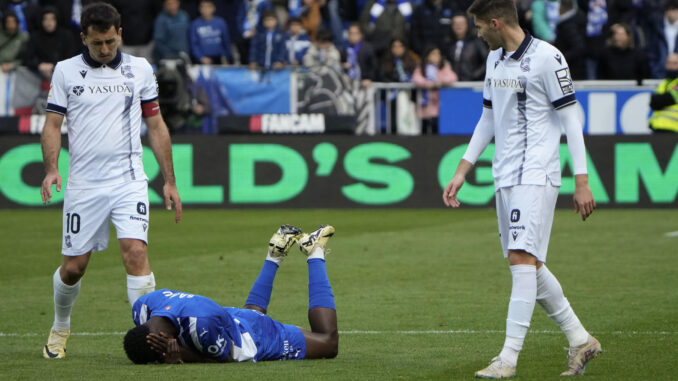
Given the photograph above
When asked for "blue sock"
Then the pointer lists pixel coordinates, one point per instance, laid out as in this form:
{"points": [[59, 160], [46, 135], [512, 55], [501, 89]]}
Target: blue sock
{"points": [[319, 289], [260, 294]]}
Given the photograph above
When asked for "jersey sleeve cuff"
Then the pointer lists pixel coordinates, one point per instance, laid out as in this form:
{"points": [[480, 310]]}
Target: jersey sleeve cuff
{"points": [[564, 101], [149, 100], [51, 107]]}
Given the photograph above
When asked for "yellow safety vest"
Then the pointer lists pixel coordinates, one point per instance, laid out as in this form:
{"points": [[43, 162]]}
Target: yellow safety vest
{"points": [[666, 119]]}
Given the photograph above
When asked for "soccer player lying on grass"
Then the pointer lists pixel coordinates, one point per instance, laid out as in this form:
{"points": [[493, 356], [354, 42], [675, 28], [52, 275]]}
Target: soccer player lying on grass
{"points": [[174, 327]]}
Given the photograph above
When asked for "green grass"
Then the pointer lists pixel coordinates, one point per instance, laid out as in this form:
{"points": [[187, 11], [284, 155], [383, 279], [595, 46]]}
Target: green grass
{"points": [[391, 271]]}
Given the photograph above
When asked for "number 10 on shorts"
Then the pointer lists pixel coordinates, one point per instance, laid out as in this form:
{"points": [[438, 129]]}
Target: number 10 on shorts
{"points": [[72, 223]]}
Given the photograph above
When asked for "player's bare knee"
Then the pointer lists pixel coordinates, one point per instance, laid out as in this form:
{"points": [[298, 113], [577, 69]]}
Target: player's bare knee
{"points": [[135, 257], [71, 272]]}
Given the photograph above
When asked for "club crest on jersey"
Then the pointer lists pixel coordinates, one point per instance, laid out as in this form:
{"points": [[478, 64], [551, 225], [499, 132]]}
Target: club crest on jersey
{"points": [[78, 90], [525, 64], [83, 73], [126, 70]]}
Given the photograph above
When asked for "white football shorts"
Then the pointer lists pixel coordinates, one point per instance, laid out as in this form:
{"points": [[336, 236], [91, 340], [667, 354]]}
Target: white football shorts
{"points": [[87, 213], [525, 217]]}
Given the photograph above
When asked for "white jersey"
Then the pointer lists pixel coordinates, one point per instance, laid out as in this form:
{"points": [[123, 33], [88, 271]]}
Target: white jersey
{"points": [[524, 89], [103, 106]]}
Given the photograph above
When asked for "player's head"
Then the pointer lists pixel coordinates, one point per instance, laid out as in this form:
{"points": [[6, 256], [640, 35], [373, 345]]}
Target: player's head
{"points": [[491, 17], [137, 347], [101, 31]]}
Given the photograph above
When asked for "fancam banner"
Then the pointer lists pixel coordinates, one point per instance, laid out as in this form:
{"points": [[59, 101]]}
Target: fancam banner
{"points": [[339, 171]]}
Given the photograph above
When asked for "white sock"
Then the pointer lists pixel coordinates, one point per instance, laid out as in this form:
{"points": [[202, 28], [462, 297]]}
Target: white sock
{"points": [[64, 298], [551, 298], [521, 306], [318, 252], [138, 286]]}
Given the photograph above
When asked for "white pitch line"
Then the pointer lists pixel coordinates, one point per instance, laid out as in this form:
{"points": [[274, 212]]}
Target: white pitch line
{"points": [[422, 332], [671, 234]]}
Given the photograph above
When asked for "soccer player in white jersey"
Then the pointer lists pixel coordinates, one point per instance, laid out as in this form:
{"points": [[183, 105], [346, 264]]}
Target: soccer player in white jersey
{"points": [[104, 94], [528, 97]]}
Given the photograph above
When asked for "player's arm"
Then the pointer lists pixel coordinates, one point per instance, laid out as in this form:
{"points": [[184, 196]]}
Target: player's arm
{"points": [[173, 352], [583, 197], [161, 145], [482, 135], [51, 145]]}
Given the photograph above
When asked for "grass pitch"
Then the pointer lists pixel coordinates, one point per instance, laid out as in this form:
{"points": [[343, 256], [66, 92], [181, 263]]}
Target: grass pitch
{"points": [[421, 294]]}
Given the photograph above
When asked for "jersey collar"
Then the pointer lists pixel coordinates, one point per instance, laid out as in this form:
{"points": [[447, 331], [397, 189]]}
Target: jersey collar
{"points": [[91, 62], [520, 52]]}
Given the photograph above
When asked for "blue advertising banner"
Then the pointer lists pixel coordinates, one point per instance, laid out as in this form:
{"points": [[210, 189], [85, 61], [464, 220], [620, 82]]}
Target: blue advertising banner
{"points": [[255, 92], [604, 112]]}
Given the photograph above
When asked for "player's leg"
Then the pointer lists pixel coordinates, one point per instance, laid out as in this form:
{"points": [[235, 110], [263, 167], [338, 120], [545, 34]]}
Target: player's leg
{"points": [[517, 215], [323, 339], [130, 216], [551, 298], [85, 229], [278, 246]]}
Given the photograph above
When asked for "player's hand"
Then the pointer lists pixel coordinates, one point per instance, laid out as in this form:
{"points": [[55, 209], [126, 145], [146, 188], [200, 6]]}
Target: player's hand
{"points": [[167, 346], [171, 195], [451, 190], [583, 200], [52, 177]]}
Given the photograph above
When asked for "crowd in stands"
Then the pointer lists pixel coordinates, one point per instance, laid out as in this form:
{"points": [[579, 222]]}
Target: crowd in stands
{"points": [[431, 43], [601, 39]]}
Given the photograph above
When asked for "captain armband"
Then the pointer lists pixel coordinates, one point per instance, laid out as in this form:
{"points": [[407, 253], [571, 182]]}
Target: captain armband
{"points": [[150, 108]]}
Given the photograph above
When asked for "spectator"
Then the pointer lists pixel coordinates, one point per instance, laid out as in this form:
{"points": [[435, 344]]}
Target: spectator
{"points": [[571, 38], [137, 21], [596, 20], [297, 41], [249, 21], [12, 42], [323, 52], [662, 39], [268, 49], [431, 24], [358, 59], [433, 73], [465, 51], [664, 101], [398, 63], [621, 58], [48, 45], [171, 31], [28, 14], [384, 20], [310, 16], [524, 8], [210, 42], [545, 18]]}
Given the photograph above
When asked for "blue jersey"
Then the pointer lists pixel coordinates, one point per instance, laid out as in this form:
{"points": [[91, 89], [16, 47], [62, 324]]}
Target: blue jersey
{"points": [[217, 332]]}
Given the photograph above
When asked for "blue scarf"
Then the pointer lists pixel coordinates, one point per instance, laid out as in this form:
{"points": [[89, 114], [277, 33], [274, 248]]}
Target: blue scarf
{"points": [[352, 58], [431, 74], [597, 17], [400, 70], [378, 7]]}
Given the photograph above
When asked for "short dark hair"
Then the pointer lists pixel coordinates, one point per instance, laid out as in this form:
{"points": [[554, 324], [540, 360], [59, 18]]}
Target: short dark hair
{"points": [[324, 35], [671, 4], [207, 1], [294, 20], [100, 16], [137, 348], [269, 13], [485, 10]]}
